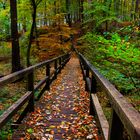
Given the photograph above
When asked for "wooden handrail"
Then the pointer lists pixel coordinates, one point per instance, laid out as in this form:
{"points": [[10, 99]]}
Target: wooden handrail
{"points": [[19, 74], [123, 113], [29, 96]]}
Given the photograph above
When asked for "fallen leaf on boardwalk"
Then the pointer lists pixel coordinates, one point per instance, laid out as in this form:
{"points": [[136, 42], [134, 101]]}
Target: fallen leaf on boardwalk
{"points": [[48, 118], [52, 126], [43, 138], [40, 124], [48, 112], [52, 132], [30, 130], [90, 137], [49, 136], [48, 130]]}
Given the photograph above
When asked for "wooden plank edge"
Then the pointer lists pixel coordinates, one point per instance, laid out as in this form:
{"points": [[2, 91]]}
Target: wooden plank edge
{"points": [[101, 117]]}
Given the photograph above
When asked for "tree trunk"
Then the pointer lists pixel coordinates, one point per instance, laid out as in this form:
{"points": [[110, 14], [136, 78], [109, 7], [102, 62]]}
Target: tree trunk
{"points": [[33, 31], [15, 39], [31, 35], [81, 9], [45, 13], [137, 9], [117, 7], [132, 10], [68, 16]]}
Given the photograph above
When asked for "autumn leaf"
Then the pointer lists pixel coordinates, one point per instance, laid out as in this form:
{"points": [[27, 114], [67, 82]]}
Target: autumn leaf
{"points": [[30, 130]]}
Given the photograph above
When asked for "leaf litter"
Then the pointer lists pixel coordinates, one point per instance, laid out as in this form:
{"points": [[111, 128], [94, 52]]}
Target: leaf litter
{"points": [[63, 112]]}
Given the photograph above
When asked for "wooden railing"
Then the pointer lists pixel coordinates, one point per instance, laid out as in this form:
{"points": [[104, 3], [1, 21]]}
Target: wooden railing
{"points": [[58, 63], [124, 116]]}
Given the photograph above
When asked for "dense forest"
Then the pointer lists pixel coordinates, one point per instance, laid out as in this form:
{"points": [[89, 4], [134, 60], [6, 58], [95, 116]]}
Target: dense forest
{"points": [[106, 32]]}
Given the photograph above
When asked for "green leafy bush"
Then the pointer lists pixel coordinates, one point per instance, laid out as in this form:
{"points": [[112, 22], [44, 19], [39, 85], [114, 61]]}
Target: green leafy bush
{"points": [[116, 58]]}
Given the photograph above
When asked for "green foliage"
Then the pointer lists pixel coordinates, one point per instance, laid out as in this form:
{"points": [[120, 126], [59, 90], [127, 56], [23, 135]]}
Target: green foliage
{"points": [[6, 133], [98, 14], [5, 49], [116, 58], [4, 24], [30, 130]]}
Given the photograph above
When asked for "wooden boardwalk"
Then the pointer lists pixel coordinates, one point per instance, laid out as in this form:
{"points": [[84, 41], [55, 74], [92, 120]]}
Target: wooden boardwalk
{"points": [[63, 112]]}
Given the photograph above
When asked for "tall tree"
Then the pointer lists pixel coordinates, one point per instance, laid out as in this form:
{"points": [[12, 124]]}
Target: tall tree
{"points": [[81, 10], [34, 4], [68, 16], [14, 35], [137, 9]]}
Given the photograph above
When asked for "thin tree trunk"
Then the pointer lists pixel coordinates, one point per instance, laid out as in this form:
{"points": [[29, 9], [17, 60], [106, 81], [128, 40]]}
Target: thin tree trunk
{"points": [[132, 10], [31, 35], [68, 16], [81, 10], [137, 8], [45, 15]]}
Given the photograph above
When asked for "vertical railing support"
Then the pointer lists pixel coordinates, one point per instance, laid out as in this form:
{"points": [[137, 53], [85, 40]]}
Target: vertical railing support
{"points": [[93, 91], [81, 64], [93, 85], [116, 127], [60, 61], [31, 88], [60, 66], [84, 70], [91, 109], [86, 77], [55, 67], [48, 75]]}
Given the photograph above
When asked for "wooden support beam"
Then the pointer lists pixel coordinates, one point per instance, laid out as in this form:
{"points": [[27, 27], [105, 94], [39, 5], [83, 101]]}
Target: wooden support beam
{"points": [[103, 123]]}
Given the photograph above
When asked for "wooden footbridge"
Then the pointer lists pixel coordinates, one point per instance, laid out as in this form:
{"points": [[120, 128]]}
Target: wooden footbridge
{"points": [[63, 121]]}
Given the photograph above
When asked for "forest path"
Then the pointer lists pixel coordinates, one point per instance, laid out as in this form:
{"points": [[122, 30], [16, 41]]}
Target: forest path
{"points": [[63, 112]]}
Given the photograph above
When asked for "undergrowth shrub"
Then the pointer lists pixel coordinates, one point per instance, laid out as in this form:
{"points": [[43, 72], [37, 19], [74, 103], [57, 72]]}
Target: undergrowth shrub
{"points": [[116, 58]]}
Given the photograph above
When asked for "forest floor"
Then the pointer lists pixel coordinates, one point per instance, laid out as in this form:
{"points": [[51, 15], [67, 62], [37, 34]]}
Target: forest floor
{"points": [[62, 112]]}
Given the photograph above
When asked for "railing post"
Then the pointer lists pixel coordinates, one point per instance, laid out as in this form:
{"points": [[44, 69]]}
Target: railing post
{"points": [[55, 67], [60, 61], [31, 88], [116, 127], [93, 91], [48, 75], [81, 64], [86, 76], [63, 61], [84, 70], [65, 58], [93, 84]]}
